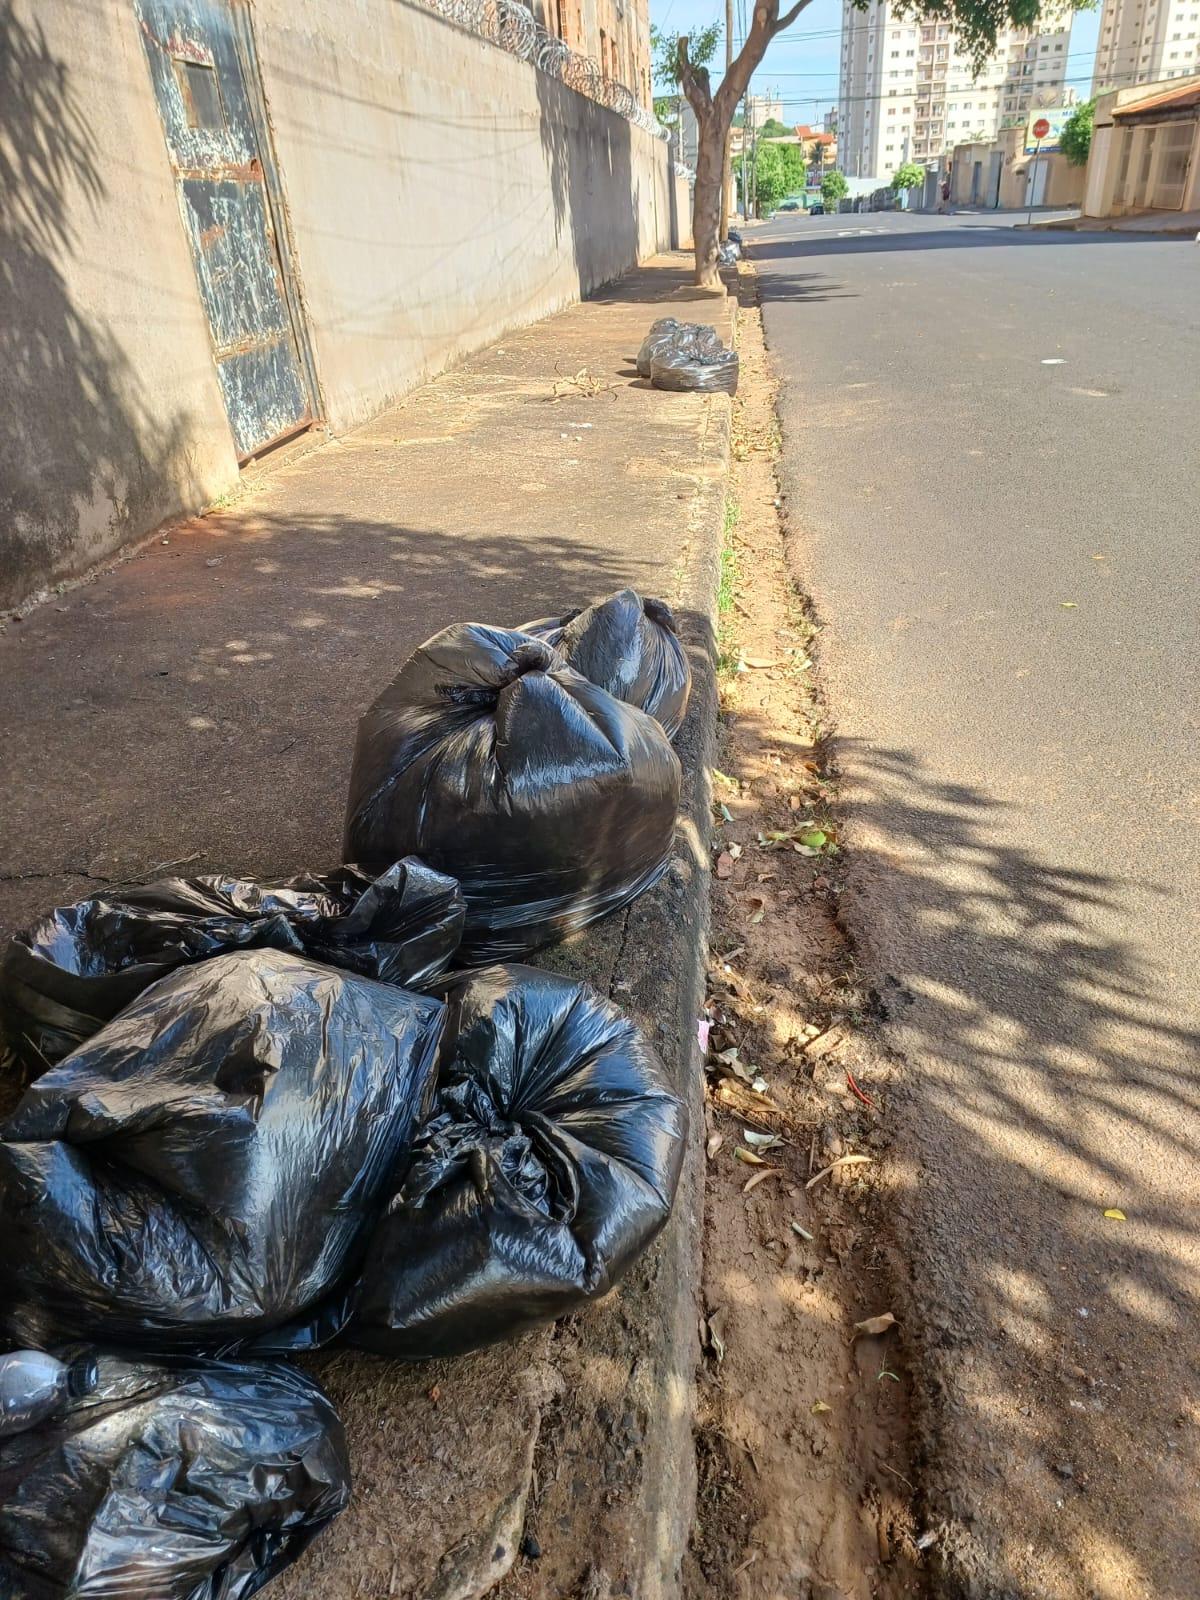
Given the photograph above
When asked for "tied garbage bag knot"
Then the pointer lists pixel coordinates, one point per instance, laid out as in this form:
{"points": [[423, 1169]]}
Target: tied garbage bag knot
{"points": [[82, 964], [550, 1161], [551, 802], [628, 646], [198, 1481], [207, 1167]]}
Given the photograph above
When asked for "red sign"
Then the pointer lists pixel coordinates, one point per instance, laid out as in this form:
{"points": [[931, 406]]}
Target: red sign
{"points": [[1041, 128]]}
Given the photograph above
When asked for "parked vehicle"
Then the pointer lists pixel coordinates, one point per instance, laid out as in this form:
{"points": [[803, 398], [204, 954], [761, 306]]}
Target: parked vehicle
{"points": [[790, 205], [816, 211]]}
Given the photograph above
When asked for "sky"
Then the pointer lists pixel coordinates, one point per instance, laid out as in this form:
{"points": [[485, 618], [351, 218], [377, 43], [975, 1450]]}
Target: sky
{"points": [[801, 65]]}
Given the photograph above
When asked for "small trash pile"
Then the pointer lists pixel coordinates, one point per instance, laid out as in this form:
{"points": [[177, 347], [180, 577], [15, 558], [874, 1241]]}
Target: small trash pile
{"points": [[729, 252], [687, 357], [260, 1117]]}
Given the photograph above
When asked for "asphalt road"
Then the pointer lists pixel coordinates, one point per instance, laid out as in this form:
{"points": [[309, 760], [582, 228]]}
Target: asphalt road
{"points": [[992, 469]]}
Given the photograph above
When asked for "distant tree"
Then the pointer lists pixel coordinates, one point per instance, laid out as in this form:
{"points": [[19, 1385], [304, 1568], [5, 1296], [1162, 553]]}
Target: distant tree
{"points": [[770, 180], [666, 109], [772, 128], [1075, 140], [795, 169], [834, 188], [908, 176]]}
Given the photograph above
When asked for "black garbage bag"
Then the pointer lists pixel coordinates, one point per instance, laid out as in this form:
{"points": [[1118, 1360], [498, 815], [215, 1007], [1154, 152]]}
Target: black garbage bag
{"points": [[207, 1167], [82, 964], [696, 372], [195, 1482], [668, 334], [628, 646], [550, 1161], [550, 802]]}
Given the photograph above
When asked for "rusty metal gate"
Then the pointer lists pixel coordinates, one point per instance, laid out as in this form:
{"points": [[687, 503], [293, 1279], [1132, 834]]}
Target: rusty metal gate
{"points": [[209, 96]]}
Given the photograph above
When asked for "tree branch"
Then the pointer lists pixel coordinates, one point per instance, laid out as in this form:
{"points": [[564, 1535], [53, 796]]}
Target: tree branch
{"points": [[694, 81], [789, 17]]}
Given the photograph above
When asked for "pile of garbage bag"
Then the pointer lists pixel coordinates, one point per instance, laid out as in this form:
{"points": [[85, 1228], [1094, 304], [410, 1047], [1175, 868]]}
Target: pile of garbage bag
{"points": [[687, 357], [205, 1168], [260, 1117], [197, 1481], [729, 253], [549, 1162], [628, 646], [667, 333], [82, 964], [489, 757]]}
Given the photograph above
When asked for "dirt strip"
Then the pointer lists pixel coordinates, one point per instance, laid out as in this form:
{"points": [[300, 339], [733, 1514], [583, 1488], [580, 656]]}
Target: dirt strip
{"points": [[804, 1479]]}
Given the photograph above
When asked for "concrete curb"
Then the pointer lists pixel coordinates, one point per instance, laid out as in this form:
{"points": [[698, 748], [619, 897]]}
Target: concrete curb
{"points": [[616, 1454]]}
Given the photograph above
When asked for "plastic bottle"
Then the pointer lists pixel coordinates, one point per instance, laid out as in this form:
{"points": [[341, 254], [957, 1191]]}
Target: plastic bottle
{"points": [[33, 1386]]}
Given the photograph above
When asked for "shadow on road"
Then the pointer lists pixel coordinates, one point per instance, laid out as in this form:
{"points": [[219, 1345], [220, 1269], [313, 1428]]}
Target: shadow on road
{"points": [[965, 236], [1056, 1359]]}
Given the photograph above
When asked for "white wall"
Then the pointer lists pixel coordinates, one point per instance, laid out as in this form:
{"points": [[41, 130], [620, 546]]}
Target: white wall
{"points": [[110, 415], [440, 190]]}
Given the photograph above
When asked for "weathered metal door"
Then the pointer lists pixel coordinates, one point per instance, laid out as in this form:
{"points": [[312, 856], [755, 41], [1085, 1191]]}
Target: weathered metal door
{"points": [[208, 97]]}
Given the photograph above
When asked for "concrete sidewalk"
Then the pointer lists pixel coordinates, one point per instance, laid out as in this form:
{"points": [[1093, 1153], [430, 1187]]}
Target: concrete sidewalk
{"points": [[196, 705]]}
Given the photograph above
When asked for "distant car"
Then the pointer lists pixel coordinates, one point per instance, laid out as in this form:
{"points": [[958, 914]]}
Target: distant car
{"points": [[816, 211], [790, 205]]}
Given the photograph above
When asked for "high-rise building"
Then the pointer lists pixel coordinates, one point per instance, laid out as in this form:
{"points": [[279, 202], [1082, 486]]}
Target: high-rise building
{"points": [[1142, 41], [908, 93], [762, 108]]}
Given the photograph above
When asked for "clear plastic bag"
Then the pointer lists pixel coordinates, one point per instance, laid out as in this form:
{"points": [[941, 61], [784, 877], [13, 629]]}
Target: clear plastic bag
{"points": [[715, 373], [208, 1166], [548, 800], [197, 1482], [628, 646], [82, 964], [548, 1165]]}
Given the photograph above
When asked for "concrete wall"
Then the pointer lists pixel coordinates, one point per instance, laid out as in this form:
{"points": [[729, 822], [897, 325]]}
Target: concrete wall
{"points": [[439, 190], [110, 415], [1064, 183]]}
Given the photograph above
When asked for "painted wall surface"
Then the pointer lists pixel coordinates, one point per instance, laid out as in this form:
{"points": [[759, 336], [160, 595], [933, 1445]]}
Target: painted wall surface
{"points": [[110, 416], [1064, 183], [440, 191]]}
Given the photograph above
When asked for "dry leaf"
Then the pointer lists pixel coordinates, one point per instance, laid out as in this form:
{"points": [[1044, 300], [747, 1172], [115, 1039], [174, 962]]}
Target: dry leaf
{"points": [[724, 865], [758, 909], [760, 1141], [1115, 1214], [762, 663], [872, 1326], [715, 1141], [819, 1408], [761, 1177], [842, 1161], [735, 851], [1068, 605], [748, 1156]]}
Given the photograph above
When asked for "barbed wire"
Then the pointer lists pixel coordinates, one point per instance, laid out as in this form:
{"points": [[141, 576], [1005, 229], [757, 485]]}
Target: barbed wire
{"points": [[514, 28]]}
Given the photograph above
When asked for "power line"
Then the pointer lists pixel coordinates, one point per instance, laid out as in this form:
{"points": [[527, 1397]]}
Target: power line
{"points": [[1013, 85]]}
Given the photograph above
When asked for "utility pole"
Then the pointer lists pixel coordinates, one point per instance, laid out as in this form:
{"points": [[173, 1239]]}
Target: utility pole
{"points": [[727, 163]]}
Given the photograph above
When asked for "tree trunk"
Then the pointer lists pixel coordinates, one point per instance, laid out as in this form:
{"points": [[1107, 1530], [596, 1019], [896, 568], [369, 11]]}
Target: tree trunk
{"points": [[706, 202]]}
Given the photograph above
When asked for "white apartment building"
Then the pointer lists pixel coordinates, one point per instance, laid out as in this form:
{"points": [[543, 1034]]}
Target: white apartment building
{"points": [[1143, 41], [907, 93]]}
